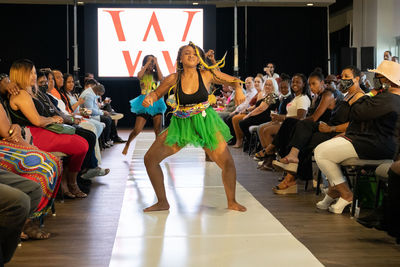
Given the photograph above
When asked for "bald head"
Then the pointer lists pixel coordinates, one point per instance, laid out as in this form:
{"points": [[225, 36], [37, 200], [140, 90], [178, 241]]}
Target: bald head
{"points": [[249, 83]]}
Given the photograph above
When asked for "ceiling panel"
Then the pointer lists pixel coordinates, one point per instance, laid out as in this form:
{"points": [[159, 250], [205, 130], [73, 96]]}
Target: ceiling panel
{"points": [[180, 2]]}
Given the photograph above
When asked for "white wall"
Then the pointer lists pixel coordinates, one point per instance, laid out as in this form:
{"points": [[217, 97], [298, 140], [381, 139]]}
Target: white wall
{"points": [[376, 23]]}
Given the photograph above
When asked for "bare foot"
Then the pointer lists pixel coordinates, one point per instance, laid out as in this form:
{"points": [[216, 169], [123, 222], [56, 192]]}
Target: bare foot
{"points": [[125, 151], [237, 145], [289, 159], [158, 207], [236, 206]]}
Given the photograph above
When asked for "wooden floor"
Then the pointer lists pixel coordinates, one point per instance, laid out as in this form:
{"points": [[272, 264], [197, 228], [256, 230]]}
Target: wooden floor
{"points": [[84, 230]]}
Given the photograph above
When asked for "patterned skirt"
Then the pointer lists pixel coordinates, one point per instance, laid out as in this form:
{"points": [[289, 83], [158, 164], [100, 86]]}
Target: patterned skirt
{"points": [[36, 165]]}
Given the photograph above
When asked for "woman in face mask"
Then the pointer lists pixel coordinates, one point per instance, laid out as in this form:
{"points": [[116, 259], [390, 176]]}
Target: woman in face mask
{"points": [[370, 134], [308, 133]]}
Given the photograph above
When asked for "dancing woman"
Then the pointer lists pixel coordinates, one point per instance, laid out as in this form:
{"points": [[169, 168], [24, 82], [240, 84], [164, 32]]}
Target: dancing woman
{"points": [[194, 122], [150, 75]]}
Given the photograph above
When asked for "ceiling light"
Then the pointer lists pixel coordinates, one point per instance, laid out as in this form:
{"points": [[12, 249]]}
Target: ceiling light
{"points": [[310, 4], [195, 3]]}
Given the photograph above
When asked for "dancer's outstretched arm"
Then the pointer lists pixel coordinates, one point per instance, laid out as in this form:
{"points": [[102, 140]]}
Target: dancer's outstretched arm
{"points": [[161, 90], [218, 77]]}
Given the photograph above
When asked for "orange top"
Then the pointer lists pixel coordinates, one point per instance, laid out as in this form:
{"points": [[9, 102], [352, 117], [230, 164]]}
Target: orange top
{"points": [[55, 93]]}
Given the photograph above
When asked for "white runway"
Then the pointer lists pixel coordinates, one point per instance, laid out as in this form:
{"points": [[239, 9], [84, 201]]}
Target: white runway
{"points": [[198, 230]]}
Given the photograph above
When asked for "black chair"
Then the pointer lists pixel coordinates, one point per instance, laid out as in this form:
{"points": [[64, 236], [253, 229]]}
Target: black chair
{"points": [[353, 168]]}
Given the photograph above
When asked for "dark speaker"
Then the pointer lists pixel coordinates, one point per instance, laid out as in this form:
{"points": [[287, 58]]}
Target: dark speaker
{"points": [[368, 58], [348, 56]]}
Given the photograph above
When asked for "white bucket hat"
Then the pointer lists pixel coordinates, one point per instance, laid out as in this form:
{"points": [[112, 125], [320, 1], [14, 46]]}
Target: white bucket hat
{"points": [[389, 69]]}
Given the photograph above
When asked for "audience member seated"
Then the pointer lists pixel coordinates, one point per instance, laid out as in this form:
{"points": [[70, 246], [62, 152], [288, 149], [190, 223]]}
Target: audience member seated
{"points": [[296, 110], [365, 85], [238, 118], [39, 166], [19, 198], [105, 105], [27, 110], [387, 55], [85, 129], [242, 110], [58, 91], [264, 129], [371, 134], [261, 113], [90, 95], [223, 104], [92, 125], [307, 134], [331, 80], [227, 101], [251, 91]]}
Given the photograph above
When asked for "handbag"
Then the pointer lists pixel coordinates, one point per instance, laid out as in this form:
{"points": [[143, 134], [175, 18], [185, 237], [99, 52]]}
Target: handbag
{"points": [[60, 128]]}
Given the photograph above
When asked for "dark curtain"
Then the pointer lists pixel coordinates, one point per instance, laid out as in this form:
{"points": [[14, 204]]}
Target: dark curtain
{"points": [[36, 32], [295, 39], [338, 40]]}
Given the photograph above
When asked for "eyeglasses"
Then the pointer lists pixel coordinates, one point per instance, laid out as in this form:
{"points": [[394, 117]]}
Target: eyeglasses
{"points": [[2, 76]]}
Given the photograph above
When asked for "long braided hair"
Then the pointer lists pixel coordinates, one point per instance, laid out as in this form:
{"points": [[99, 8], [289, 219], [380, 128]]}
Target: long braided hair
{"points": [[202, 65]]}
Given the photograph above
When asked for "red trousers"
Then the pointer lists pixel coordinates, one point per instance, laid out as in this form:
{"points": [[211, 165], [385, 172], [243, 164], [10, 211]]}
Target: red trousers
{"points": [[73, 145]]}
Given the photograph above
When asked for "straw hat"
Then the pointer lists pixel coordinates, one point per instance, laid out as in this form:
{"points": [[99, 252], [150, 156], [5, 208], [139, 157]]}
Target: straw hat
{"points": [[389, 69]]}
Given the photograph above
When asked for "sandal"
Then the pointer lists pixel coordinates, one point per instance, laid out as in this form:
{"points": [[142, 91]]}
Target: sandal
{"points": [[23, 236], [289, 167], [91, 173], [69, 195], [76, 191], [103, 172], [260, 154], [267, 163], [285, 188], [33, 231]]}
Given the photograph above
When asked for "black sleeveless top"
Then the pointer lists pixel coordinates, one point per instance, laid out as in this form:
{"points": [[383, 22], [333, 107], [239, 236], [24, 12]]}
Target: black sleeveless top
{"points": [[341, 112], [201, 95], [19, 118], [325, 117]]}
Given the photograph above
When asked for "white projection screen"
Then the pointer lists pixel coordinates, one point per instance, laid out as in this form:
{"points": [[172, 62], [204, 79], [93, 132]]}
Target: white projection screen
{"points": [[126, 35]]}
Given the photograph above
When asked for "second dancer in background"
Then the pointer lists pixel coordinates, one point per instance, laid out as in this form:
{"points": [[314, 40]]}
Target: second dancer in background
{"points": [[150, 76]]}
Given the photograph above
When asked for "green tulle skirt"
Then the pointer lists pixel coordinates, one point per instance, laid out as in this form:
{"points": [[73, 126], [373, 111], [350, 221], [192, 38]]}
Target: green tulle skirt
{"points": [[198, 130]]}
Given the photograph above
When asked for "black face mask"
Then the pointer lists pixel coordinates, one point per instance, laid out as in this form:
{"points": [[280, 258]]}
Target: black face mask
{"points": [[345, 85], [43, 88], [378, 85]]}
